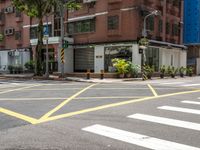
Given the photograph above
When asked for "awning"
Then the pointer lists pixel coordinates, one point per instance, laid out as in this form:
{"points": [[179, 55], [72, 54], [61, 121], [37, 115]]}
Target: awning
{"points": [[168, 44], [81, 18]]}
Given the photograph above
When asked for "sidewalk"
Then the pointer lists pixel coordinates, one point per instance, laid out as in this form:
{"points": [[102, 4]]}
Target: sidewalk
{"points": [[107, 80]]}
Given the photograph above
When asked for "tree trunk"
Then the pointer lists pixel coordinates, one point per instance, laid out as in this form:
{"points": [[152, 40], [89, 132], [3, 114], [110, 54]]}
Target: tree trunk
{"points": [[39, 48]]}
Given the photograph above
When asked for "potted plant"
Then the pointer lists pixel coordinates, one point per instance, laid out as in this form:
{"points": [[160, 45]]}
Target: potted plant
{"points": [[121, 66], [182, 71], [162, 71], [189, 71], [135, 70], [129, 69], [11, 69], [172, 71], [148, 71]]}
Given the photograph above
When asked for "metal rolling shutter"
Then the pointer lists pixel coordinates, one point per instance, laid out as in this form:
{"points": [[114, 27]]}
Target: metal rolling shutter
{"points": [[84, 59]]}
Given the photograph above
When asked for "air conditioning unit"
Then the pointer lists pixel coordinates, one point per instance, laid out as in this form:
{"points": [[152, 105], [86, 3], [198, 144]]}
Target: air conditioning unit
{"points": [[9, 31], [9, 9], [88, 1]]}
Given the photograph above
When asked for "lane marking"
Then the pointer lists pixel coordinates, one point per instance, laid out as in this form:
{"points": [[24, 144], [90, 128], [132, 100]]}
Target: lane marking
{"points": [[152, 90], [191, 102], [167, 121], [188, 85], [113, 105], [171, 83], [180, 109], [19, 116], [61, 89], [137, 139], [65, 102], [3, 92]]}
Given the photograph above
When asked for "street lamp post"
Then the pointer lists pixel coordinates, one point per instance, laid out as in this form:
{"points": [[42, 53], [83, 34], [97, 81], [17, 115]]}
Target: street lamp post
{"points": [[144, 34]]}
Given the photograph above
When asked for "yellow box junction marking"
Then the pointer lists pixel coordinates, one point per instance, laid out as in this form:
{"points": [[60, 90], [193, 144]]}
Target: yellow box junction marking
{"points": [[18, 89], [46, 117], [18, 115], [152, 90], [112, 106], [65, 102]]}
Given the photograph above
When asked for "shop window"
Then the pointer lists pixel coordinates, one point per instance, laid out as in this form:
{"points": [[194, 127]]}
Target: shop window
{"points": [[82, 26], [123, 52], [152, 57], [113, 22]]}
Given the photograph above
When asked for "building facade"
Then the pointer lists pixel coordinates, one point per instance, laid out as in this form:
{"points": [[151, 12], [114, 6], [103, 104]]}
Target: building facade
{"points": [[12, 48], [192, 33], [105, 29]]}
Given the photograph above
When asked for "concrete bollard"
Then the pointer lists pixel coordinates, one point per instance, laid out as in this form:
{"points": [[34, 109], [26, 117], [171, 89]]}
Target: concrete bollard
{"points": [[102, 74], [88, 74]]}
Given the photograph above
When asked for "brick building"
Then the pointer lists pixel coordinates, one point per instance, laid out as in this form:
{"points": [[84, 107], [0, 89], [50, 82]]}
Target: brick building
{"points": [[107, 29]]}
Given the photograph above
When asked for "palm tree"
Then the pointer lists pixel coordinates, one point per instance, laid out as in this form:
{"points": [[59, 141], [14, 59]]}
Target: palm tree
{"points": [[39, 9]]}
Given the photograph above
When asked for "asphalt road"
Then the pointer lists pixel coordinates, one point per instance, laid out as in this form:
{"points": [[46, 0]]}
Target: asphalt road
{"points": [[52, 115]]}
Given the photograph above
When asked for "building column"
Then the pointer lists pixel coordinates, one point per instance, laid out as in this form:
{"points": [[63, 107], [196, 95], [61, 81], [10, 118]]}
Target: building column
{"points": [[98, 58], [136, 57]]}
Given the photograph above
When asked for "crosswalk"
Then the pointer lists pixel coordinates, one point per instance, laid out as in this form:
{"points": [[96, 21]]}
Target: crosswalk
{"points": [[150, 142]]}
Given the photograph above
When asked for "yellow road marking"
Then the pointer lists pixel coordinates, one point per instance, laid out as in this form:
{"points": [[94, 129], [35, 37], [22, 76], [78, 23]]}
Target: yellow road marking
{"points": [[152, 90], [65, 102], [112, 97], [59, 98], [37, 121], [3, 92], [111, 106], [18, 115]]}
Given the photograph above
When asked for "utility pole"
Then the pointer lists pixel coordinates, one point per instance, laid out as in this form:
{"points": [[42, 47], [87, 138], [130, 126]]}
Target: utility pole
{"points": [[47, 48], [62, 36]]}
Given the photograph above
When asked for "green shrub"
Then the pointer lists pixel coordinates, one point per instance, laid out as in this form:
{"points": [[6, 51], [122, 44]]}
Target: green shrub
{"points": [[30, 65]]}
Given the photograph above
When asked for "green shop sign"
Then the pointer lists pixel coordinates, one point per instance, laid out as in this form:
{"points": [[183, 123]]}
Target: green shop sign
{"points": [[1, 37]]}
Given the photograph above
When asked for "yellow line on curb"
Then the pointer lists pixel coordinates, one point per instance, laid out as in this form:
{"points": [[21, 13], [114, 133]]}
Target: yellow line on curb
{"points": [[65, 102], [111, 106], [18, 115], [152, 90]]}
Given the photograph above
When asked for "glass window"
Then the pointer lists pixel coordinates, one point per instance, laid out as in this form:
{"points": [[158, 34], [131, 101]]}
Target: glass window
{"points": [[167, 28], [152, 57], [81, 26], [18, 35], [160, 27], [124, 52], [34, 31], [113, 22], [175, 30], [57, 26], [150, 23]]}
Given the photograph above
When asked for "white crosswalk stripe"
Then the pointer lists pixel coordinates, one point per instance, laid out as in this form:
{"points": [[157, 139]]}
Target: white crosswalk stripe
{"points": [[137, 139], [167, 121], [180, 109], [191, 102]]}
